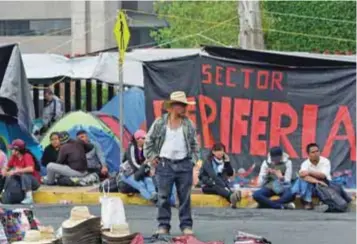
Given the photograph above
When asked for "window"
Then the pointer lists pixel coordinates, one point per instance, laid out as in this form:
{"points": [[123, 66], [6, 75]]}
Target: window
{"points": [[53, 27]]}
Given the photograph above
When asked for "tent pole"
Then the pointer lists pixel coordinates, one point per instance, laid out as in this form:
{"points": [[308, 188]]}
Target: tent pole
{"points": [[121, 108]]}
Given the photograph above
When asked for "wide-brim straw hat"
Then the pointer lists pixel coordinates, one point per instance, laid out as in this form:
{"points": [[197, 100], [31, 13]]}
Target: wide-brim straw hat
{"points": [[79, 214], [86, 232], [178, 97], [35, 237], [118, 234]]}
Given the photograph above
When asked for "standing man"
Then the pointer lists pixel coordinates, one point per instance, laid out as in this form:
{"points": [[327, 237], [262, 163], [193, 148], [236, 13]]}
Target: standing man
{"points": [[171, 144], [52, 111]]}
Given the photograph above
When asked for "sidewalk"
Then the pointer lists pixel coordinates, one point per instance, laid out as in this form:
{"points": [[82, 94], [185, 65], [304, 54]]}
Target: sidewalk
{"points": [[91, 195]]}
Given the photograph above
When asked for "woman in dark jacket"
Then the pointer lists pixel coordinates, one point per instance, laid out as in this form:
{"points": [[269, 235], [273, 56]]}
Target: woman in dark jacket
{"points": [[214, 175], [50, 153]]}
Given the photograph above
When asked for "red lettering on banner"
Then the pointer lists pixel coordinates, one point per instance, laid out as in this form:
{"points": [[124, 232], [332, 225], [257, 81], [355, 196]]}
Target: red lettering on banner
{"points": [[258, 147], [240, 126], [262, 79], [206, 71], [277, 78], [342, 117], [228, 77], [204, 101], [225, 122], [247, 73], [219, 75], [309, 121], [278, 133], [158, 105]]}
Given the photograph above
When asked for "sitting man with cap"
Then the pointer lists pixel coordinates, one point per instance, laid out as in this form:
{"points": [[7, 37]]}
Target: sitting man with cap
{"points": [[275, 178], [71, 162], [22, 165]]}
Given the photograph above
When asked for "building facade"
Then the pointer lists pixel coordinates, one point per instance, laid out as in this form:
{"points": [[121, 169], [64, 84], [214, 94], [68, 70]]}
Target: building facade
{"points": [[73, 27]]}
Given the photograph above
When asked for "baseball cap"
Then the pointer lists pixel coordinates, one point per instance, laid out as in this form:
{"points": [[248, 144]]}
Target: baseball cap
{"points": [[276, 152], [64, 137], [139, 134], [17, 144]]}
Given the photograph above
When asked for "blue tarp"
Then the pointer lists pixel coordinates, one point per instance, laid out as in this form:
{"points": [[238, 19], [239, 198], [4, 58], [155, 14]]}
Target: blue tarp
{"points": [[134, 108], [109, 145]]}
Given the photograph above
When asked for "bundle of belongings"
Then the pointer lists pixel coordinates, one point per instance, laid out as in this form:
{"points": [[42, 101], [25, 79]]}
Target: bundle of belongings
{"points": [[21, 226], [246, 238], [187, 239]]}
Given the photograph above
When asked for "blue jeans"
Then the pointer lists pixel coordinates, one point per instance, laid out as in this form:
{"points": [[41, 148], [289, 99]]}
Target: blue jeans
{"points": [[263, 196], [180, 173], [146, 186], [305, 189]]}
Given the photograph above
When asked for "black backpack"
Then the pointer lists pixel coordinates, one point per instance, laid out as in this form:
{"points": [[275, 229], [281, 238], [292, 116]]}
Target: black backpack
{"points": [[13, 193], [332, 199]]}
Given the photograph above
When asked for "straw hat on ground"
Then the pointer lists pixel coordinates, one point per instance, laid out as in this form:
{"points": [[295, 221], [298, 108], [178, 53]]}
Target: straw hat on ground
{"points": [[178, 97], [118, 234], [35, 237], [79, 214]]}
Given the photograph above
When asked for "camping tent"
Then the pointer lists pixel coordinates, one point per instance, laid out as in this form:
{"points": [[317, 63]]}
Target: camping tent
{"points": [[96, 129], [16, 107], [134, 108], [114, 124]]}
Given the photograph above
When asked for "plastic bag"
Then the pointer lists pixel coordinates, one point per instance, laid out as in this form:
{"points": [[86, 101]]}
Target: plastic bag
{"points": [[112, 210]]}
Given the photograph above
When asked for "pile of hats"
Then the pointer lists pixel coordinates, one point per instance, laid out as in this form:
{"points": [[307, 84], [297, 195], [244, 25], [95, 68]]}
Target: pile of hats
{"points": [[44, 235]]}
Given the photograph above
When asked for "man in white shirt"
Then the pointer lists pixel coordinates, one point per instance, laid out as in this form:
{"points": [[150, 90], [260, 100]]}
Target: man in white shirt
{"points": [[314, 170], [171, 144]]}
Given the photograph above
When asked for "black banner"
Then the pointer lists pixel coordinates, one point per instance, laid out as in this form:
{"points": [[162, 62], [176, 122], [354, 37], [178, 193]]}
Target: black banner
{"points": [[256, 102]]}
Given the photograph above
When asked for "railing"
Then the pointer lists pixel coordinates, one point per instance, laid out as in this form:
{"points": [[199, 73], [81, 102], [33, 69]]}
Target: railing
{"points": [[87, 95]]}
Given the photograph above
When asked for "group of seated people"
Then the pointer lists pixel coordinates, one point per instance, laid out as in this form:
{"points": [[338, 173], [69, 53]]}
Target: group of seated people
{"points": [[275, 179], [76, 158]]}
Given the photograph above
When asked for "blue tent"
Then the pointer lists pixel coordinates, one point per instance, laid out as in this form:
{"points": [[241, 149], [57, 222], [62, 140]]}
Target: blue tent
{"points": [[134, 108], [106, 141]]}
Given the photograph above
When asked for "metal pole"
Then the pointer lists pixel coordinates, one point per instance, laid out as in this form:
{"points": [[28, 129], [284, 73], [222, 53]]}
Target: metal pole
{"points": [[121, 107]]}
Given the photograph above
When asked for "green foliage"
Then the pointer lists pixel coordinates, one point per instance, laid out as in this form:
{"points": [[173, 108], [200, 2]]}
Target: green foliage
{"points": [[280, 31], [342, 10], [188, 18]]}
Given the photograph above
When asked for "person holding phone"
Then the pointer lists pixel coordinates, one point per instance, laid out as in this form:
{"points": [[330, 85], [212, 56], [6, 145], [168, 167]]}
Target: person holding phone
{"points": [[214, 175]]}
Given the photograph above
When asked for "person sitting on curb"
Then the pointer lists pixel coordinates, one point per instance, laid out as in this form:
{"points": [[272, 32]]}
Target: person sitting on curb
{"points": [[3, 163], [275, 178], [315, 170], [50, 154], [214, 175], [22, 165], [71, 162], [95, 157]]}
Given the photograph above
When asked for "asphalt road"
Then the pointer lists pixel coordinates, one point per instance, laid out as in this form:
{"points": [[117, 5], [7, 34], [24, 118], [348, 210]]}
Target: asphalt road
{"points": [[280, 227]]}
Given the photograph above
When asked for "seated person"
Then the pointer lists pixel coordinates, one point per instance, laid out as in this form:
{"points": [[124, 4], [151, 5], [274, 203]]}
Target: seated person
{"points": [[23, 165], [214, 175], [315, 170], [50, 154], [71, 162], [275, 179], [95, 157], [3, 163], [135, 170]]}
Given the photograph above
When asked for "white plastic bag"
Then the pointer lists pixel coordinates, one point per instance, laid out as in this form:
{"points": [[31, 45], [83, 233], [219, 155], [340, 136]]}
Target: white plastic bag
{"points": [[112, 211]]}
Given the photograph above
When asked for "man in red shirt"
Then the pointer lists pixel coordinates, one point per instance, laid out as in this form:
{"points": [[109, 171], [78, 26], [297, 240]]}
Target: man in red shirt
{"points": [[22, 164]]}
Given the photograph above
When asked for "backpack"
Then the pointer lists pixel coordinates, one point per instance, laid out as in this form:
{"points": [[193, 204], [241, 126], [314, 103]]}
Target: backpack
{"points": [[332, 199], [13, 193]]}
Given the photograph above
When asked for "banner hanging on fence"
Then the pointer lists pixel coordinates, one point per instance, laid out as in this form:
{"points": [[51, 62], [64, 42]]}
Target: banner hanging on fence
{"points": [[252, 106]]}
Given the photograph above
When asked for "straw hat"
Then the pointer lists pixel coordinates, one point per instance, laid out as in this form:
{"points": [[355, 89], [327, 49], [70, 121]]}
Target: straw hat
{"points": [[34, 237], [79, 214], [178, 97], [118, 230]]}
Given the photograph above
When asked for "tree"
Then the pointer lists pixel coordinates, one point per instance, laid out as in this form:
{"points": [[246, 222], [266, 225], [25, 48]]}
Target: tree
{"points": [[186, 19]]}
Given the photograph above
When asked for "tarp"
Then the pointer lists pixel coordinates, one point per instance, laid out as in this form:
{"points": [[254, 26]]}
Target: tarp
{"points": [[107, 142], [134, 108], [15, 98], [252, 101], [114, 124]]}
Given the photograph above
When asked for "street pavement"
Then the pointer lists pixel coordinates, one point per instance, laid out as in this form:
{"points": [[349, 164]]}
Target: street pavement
{"points": [[280, 227]]}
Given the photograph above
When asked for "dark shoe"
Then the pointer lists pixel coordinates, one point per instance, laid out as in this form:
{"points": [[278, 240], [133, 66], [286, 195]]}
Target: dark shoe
{"points": [[234, 198]]}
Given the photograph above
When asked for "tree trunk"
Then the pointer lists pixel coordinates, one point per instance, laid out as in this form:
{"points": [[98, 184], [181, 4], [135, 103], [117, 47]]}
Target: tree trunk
{"points": [[250, 23]]}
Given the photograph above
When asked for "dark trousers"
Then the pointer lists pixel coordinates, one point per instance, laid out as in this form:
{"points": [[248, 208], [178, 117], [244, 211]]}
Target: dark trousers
{"points": [[263, 196], [217, 190], [28, 182], [180, 173]]}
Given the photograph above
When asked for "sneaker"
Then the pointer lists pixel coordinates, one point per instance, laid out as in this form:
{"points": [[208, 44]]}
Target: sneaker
{"points": [[187, 232], [322, 208], [162, 231], [234, 198], [27, 201], [290, 206]]}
